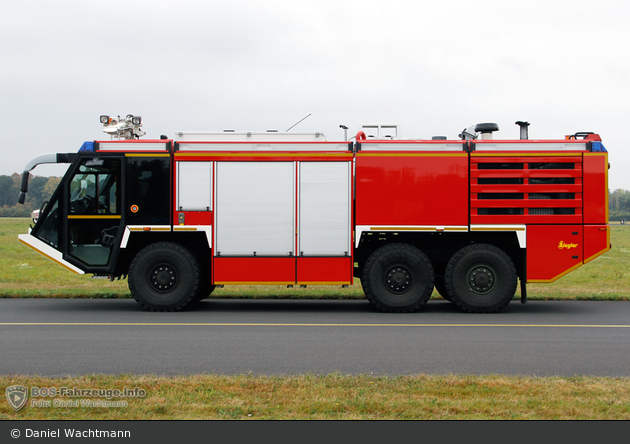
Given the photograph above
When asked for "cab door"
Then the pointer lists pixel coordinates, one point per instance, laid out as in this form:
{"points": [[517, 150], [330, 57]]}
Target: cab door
{"points": [[93, 208]]}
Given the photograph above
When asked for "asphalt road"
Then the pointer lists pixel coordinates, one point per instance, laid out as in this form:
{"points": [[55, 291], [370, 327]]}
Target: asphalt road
{"points": [[60, 337]]}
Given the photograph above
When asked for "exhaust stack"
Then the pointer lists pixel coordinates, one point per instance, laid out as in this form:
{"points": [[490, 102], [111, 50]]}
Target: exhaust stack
{"points": [[524, 130]]}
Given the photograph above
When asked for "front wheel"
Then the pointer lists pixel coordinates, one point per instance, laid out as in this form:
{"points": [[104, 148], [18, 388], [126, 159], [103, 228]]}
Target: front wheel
{"points": [[164, 277], [398, 278], [480, 278], [205, 288]]}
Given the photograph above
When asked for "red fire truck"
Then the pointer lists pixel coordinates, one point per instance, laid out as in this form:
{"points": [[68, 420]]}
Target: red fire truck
{"points": [[469, 217]]}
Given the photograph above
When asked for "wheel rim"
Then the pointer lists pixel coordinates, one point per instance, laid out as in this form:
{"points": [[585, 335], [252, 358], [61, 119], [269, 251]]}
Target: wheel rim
{"points": [[481, 279], [398, 279], [163, 278]]}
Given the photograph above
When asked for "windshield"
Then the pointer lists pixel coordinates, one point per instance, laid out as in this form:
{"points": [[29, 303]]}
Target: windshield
{"points": [[93, 189], [48, 229]]}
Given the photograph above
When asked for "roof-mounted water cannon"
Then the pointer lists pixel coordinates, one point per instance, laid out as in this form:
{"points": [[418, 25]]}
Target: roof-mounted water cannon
{"points": [[125, 128], [468, 133]]}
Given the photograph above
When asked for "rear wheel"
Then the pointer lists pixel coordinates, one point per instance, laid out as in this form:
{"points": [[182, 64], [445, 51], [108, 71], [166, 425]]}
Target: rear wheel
{"points": [[164, 277], [480, 278], [398, 278]]}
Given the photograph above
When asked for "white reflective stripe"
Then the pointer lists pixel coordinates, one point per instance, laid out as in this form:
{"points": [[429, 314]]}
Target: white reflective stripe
{"points": [[248, 136], [262, 146], [145, 229], [462, 228], [132, 146], [208, 231], [47, 251], [537, 146], [359, 229], [149, 227], [206, 228], [520, 230], [141, 228], [427, 146], [125, 238]]}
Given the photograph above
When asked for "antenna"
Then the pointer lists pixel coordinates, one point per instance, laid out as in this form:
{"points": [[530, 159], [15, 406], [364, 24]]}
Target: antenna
{"points": [[309, 114]]}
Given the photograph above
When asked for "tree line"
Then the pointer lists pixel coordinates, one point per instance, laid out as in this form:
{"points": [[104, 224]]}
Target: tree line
{"points": [[40, 189], [619, 204]]}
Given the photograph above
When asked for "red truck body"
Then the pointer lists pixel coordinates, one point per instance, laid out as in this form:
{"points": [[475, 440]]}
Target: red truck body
{"points": [[468, 217]]}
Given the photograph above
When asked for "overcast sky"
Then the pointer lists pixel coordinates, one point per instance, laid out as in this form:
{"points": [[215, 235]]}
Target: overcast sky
{"points": [[432, 67]]}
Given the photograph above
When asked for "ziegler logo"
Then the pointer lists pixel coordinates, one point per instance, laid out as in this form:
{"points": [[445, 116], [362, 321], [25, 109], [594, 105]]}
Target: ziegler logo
{"points": [[562, 245]]}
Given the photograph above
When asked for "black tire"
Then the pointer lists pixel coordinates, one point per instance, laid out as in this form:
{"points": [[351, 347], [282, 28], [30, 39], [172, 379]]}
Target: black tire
{"points": [[398, 278], [164, 277], [440, 287], [480, 278], [205, 287]]}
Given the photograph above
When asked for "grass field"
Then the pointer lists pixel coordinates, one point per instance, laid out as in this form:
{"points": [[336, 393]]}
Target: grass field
{"points": [[323, 397], [26, 273], [339, 397]]}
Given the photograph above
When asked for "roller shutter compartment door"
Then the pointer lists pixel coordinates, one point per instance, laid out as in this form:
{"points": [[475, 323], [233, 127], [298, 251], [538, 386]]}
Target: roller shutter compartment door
{"points": [[324, 205], [255, 209]]}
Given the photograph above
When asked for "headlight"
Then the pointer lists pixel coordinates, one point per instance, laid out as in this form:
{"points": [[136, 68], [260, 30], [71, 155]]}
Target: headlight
{"points": [[105, 120], [137, 120]]}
